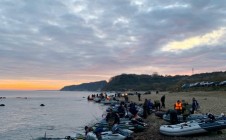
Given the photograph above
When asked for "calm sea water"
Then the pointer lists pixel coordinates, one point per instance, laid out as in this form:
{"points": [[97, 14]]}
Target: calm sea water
{"points": [[64, 113]]}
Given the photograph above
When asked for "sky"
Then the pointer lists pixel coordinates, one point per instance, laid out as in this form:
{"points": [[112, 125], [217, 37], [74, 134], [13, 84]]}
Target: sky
{"points": [[47, 44]]}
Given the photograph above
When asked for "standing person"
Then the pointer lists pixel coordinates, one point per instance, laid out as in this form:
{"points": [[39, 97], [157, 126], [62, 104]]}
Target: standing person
{"points": [[178, 107], [157, 105], [145, 109], [121, 110], [126, 109], [163, 101], [139, 96], [185, 111], [195, 105], [132, 109], [150, 104], [126, 98]]}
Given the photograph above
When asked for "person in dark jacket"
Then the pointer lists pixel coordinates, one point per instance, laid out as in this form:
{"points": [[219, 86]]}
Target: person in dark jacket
{"points": [[86, 130], [121, 110], [132, 109], [112, 118], [150, 104], [185, 110], [126, 98], [145, 109], [195, 105], [139, 96], [157, 105], [163, 101], [173, 116]]}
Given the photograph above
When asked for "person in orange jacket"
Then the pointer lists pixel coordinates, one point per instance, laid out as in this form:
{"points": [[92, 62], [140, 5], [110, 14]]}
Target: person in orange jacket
{"points": [[178, 107]]}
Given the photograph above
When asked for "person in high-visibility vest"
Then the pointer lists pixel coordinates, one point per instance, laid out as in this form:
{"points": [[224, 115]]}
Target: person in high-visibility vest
{"points": [[178, 107]]}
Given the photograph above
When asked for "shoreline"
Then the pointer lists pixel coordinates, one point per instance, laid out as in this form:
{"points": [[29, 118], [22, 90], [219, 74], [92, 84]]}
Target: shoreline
{"points": [[210, 102]]}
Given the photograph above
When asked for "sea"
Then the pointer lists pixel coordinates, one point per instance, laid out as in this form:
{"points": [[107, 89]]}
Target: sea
{"points": [[65, 113]]}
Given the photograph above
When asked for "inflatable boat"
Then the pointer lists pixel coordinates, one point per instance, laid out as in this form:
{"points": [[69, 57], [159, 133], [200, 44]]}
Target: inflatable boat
{"points": [[193, 127], [191, 117], [108, 102], [108, 135], [114, 129], [97, 99], [133, 127], [160, 114], [111, 136], [76, 136]]}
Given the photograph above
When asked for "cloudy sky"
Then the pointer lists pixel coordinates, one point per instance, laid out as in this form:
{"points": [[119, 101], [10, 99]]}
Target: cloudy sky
{"points": [[46, 44]]}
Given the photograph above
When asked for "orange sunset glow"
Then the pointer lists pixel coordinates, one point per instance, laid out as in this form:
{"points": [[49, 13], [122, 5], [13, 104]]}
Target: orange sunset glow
{"points": [[32, 84]]}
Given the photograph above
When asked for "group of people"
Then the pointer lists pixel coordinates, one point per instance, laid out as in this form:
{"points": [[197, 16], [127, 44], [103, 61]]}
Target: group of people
{"points": [[185, 109], [148, 105], [101, 95], [112, 119], [146, 108], [181, 106], [157, 104]]}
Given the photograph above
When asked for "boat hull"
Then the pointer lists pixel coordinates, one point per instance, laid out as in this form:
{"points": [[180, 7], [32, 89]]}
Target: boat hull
{"points": [[193, 127], [181, 130]]}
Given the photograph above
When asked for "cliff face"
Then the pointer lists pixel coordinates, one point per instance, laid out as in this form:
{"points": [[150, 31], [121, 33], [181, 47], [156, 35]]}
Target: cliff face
{"points": [[92, 86]]}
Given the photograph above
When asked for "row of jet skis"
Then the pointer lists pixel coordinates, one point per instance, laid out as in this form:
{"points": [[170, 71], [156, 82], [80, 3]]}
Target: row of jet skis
{"points": [[124, 130], [191, 125]]}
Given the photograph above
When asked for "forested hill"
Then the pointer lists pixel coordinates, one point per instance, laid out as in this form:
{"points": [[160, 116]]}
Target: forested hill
{"points": [[159, 82], [124, 82], [92, 86], [142, 82]]}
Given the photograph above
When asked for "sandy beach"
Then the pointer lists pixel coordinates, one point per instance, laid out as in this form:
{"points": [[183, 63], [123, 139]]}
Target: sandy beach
{"points": [[214, 102]]}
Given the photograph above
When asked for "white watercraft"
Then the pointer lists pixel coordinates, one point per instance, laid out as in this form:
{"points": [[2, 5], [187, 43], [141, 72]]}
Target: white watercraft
{"points": [[193, 127], [111, 136], [191, 117]]}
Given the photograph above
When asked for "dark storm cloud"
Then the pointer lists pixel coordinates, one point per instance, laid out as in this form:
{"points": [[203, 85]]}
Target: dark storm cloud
{"points": [[53, 38]]}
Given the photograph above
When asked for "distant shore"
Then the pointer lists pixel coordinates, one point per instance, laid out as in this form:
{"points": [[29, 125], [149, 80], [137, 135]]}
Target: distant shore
{"points": [[213, 101]]}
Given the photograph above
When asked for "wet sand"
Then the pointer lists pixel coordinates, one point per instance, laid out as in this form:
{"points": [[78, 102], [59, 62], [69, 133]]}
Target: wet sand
{"points": [[214, 102]]}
